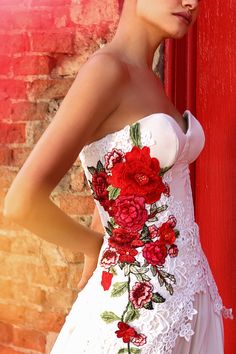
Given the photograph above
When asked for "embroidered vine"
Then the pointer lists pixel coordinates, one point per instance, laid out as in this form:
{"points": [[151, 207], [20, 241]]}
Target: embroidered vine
{"points": [[128, 186]]}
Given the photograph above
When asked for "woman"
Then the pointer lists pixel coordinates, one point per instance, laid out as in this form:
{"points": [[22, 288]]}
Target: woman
{"points": [[151, 289]]}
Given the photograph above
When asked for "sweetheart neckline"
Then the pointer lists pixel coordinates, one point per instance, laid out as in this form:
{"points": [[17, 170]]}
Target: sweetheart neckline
{"points": [[187, 114]]}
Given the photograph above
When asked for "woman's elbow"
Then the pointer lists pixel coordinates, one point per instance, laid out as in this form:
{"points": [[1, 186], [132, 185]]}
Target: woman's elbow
{"points": [[14, 207]]}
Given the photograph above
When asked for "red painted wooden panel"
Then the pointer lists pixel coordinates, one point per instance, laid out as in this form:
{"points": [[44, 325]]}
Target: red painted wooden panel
{"points": [[200, 74], [216, 170]]}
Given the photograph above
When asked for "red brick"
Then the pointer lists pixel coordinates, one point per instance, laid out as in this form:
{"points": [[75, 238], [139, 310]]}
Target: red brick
{"points": [[73, 204], [77, 181], [12, 314], [26, 19], [37, 129], [19, 155], [8, 350], [55, 276], [32, 65], [5, 244], [6, 332], [50, 2], [40, 321], [25, 245], [6, 177], [14, 43], [12, 133], [52, 42], [6, 291], [5, 109], [49, 89], [5, 64], [14, 2], [44, 321], [12, 89], [6, 224], [5, 155], [25, 111], [26, 294], [30, 339]]}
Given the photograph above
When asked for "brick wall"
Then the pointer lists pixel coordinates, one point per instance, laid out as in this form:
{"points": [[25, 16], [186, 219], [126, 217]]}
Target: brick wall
{"points": [[42, 46]]}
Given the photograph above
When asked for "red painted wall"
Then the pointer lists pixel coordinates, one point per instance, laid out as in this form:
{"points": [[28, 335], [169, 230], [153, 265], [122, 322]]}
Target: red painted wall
{"points": [[200, 75], [216, 170]]}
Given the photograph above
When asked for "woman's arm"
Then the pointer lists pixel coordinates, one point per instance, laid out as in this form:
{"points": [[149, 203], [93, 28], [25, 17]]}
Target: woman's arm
{"points": [[94, 95]]}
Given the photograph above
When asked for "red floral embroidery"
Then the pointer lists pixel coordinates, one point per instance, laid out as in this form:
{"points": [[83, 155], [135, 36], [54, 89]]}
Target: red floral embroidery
{"points": [[139, 339], [129, 187], [130, 212], [100, 185], [109, 258], [141, 294], [173, 251], [138, 175], [167, 234], [106, 280], [155, 253], [127, 255], [121, 237], [113, 157], [125, 332]]}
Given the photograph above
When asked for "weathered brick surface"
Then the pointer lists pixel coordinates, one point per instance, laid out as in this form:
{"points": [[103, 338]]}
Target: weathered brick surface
{"points": [[43, 43]]}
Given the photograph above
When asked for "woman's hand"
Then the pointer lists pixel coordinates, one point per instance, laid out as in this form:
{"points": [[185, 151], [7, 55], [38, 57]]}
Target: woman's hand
{"points": [[90, 263]]}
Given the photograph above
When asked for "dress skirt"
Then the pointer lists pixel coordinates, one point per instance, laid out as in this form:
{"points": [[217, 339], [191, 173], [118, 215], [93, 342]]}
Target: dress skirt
{"points": [[207, 336]]}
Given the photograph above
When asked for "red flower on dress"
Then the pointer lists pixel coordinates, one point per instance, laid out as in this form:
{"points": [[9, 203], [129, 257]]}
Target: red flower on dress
{"points": [[130, 213], [141, 293], [122, 238], [138, 175], [100, 184], [139, 339], [172, 220], [127, 254], [109, 258], [155, 253], [167, 234], [125, 332], [173, 251], [153, 229], [113, 157], [106, 280], [107, 205]]}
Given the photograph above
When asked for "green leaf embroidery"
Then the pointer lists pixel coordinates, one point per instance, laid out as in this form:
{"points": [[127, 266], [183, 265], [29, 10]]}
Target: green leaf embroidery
{"points": [[135, 134], [113, 192], [127, 269], [169, 288], [176, 233], [153, 270], [162, 208], [109, 316], [163, 170], [145, 234], [161, 280], [148, 306], [146, 277], [100, 167], [112, 270], [158, 298], [123, 350], [119, 288], [131, 315], [108, 230], [92, 170], [135, 350]]}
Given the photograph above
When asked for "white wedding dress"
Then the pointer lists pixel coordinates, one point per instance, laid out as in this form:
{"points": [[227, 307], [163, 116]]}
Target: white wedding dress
{"points": [[153, 291]]}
